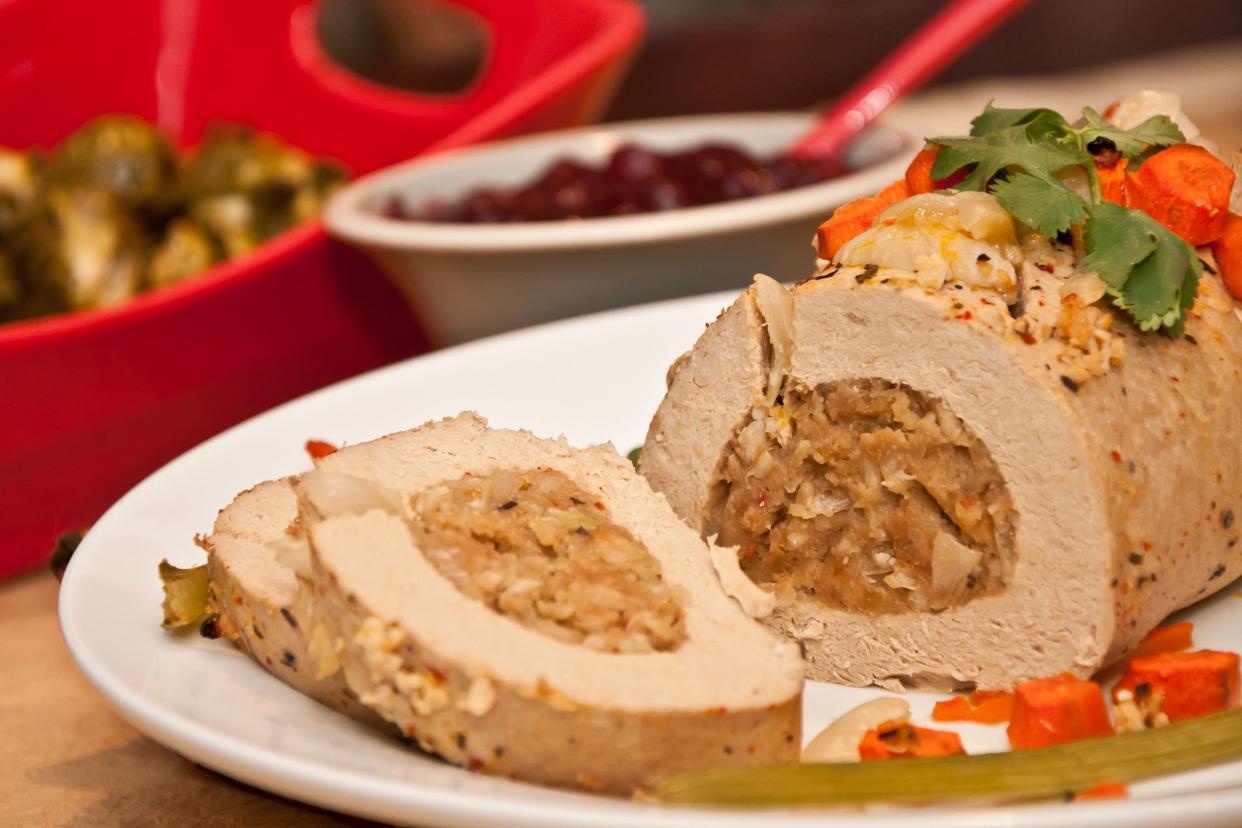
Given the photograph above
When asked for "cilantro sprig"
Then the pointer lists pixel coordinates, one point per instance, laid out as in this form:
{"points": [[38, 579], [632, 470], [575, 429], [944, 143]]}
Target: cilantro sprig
{"points": [[1022, 156]]}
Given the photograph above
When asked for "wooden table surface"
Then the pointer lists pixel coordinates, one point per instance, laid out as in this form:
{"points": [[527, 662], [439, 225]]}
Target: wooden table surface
{"points": [[68, 760]]}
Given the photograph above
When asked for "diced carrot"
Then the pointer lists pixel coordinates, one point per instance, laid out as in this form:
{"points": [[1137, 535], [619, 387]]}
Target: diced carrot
{"points": [[1171, 639], [1104, 790], [1185, 188], [902, 740], [1052, 711], [1113, 181], [1188, 684], [850, 220], [982, 706], [1228, 252], [918, 174], [318, 449]]}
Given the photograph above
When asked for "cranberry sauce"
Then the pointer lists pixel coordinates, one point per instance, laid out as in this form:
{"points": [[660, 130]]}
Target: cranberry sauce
{"points": [[632, 180]]}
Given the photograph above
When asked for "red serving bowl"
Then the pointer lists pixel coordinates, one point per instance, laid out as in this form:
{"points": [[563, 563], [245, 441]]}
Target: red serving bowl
{"points": [[92, 402]]}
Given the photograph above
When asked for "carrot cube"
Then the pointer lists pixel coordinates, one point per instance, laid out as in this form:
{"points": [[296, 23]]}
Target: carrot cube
{"points": [[1185, 188], [1188, 684], [902, 740], [982, 706], [1052, 711], [850, 220], [1228, 252]]}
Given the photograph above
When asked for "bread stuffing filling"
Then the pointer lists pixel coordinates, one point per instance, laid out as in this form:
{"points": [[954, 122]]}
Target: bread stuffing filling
{"points": [[537, 548], [867, 496]]}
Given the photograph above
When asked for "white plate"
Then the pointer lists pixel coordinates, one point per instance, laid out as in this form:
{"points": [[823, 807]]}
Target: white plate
{"points": [[593, 379]]}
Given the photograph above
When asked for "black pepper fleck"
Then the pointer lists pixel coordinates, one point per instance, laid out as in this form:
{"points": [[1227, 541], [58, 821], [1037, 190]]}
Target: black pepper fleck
{"points": [[288, 659], [1136, 558], [1226, 520], [1208, 267], [507, 505], [210, 628], [1217, 572], [1069, 383], [728, 750], [1113, 582], [293, 622], [1190, 339], [499, 751], [461, 741], [258, 633], [827, 275]]}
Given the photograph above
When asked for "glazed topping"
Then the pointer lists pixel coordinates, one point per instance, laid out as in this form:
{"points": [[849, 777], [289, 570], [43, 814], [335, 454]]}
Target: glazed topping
{"points": [[942, 237], [633, 179], [867, 496], [539, 549]]}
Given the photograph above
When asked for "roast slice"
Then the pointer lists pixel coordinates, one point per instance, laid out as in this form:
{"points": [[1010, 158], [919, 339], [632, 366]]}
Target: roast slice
{"points": [[509, 603]]}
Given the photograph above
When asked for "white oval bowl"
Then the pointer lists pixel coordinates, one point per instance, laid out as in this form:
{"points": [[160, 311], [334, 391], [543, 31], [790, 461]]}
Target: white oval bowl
{"points": [[471, 280]]}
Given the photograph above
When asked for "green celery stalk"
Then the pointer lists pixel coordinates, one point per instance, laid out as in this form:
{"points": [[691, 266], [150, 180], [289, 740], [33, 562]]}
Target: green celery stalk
{"points": [[1025, 774]]}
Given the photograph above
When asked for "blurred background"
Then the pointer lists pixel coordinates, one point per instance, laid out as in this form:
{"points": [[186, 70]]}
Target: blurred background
{"points": [[746, 55]]}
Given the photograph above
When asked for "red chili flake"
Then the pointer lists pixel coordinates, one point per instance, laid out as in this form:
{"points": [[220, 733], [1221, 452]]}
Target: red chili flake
{"points": [[1147, 545], [599, 505], [344, 703], [716, 711], [319, 449], [747, 554], [1045, 267], [475, 763], [1116, 455], [438, 675], [237, 600], [762, 500], [268, 659], [1029, 338], [964, 315], [411, 730], [1175, 379]]}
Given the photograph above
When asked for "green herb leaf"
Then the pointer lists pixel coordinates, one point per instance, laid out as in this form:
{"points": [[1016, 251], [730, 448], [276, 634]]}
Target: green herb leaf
{"points": [[1049, 207], [994, 119], [1010, 149], [1150, 272], [1156, 132]]}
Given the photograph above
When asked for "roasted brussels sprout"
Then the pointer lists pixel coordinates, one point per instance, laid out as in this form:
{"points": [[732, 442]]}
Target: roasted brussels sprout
{"points": [[281, 186], [114, 211], [82, 251], [10, 289], [185, 250], [19, 189], [122, 154]]}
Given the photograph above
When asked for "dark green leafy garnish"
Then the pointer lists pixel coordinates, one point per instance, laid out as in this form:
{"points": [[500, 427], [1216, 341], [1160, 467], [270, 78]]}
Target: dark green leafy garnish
{"points": [[1150, 272], [1022, 155]]}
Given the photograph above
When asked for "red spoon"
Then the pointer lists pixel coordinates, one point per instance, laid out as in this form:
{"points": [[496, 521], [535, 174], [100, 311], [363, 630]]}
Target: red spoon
{"points": [[953, 30]]}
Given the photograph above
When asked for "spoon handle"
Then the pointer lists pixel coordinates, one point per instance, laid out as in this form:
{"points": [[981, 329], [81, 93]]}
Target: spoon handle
{"points": [[951, 31]]}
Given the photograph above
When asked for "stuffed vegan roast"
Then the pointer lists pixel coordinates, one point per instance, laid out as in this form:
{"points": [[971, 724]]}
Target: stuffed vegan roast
{"points": [[995, 436]]}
